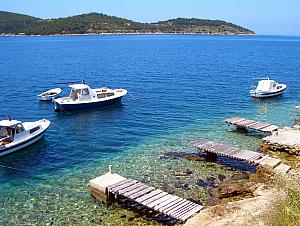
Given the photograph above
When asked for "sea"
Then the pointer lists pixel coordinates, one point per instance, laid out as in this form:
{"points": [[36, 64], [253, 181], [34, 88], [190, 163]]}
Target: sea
{"points": [[180, 89]]}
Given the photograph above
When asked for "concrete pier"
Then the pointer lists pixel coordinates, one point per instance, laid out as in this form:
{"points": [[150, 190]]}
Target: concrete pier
{"points": [[284, 140], [99, 185]]}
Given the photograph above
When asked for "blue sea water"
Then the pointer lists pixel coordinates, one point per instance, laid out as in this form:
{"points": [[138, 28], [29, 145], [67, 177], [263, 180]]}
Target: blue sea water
{"points": [[180, 88]]}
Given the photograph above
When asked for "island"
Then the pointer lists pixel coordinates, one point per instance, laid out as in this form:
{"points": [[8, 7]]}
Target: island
{"points": [[99, 23]]}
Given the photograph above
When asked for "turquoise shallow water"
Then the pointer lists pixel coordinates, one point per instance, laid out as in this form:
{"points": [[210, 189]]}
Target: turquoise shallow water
{"points": [[181, 88]]}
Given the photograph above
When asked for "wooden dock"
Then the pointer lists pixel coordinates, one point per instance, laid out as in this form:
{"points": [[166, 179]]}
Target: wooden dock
{"points": [[250, 157], [150, 197], [251, 124]]}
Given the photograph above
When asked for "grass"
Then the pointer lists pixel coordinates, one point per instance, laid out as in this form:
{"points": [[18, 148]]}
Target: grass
{"points": [[287, 211]]}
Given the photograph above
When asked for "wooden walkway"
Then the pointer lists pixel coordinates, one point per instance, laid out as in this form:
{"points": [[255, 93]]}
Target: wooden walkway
{"points": [[251, 157], [251, 124], [170, 205]]}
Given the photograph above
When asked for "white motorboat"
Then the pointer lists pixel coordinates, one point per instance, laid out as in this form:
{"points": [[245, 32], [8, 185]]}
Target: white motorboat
{"points": [[267, 88], [83, 97], [15, 135], [49, 95]]}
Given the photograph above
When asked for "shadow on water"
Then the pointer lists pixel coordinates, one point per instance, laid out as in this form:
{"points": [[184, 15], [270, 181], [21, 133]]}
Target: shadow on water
{"points": [[236, 164], [20, 163], [247, 132]]}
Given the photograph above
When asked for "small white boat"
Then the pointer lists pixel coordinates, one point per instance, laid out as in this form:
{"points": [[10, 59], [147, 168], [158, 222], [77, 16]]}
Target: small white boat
{"points": [[49, 95], [83, 97], [267, 88], [15, 135]]}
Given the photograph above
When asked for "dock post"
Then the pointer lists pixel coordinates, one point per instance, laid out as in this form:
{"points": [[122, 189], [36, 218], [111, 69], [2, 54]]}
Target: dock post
{"points": [[110, 169]]}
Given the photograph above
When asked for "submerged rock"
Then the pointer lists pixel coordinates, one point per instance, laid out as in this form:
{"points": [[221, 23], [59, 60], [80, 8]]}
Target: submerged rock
{"points": [[210, 182], [221, 177], [183, 173], [242, 176], [185, 155], [230, 190]]}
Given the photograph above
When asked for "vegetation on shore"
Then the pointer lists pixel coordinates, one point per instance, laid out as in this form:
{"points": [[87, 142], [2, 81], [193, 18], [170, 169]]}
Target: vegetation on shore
{"points": [[98, 23], [287, 211]]}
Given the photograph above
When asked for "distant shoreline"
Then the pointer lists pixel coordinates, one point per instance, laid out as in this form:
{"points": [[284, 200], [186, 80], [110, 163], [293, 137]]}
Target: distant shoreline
{"points": [[130, 33]]}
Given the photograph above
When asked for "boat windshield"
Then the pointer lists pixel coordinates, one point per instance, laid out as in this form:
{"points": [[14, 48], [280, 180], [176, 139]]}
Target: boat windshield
{"points": [[75, 93]]}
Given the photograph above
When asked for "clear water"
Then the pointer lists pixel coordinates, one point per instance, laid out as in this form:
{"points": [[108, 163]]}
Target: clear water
{"points": [[181, 88]]}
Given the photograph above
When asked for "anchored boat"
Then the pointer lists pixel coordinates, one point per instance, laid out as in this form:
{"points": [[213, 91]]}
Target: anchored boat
{"points": [[15, 135], [83, 97], [49, 95], [267, 88]]}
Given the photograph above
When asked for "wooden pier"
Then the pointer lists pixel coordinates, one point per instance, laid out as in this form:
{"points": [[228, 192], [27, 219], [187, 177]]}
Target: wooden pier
{"points": [[113, 185], [251, 157], [251, 124]]}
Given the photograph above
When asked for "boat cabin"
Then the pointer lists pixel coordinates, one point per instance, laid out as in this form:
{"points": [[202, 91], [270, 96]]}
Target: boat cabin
{"points": [[80, 92], [9, 130], [268, 85]]}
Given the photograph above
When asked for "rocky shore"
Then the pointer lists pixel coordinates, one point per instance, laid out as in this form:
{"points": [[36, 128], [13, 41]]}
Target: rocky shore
{"points": [[248, 211], [284, 140]]}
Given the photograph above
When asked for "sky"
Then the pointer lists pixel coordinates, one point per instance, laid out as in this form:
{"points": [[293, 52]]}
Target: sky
{"points": [[273, 17]]}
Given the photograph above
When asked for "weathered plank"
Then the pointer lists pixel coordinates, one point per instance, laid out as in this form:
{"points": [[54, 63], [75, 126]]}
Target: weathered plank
{"points": [[230, 120], [172, 210], [159, 201], [232, 152], [171, 205], [156, 197], [177, 204], [191, 213], [148, 196], [134, 191], [165, 203], [270, 128], [142, 192], [245, 122], [122, 186], [252, 124], [182, 212], [129, 188], [119, 183]]}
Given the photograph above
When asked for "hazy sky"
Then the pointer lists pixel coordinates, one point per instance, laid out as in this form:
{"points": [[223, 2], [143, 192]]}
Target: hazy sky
{"points": [[262, 16]]}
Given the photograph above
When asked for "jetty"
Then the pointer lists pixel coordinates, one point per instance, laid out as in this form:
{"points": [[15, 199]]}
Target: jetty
{"points": [[243, 123], [251, 157], [111, 187]]}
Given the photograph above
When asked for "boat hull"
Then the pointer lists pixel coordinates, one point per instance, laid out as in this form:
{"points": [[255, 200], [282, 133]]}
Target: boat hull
{"points": [[47, 98], [266, 94], [8, 149], [83, 106]]}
